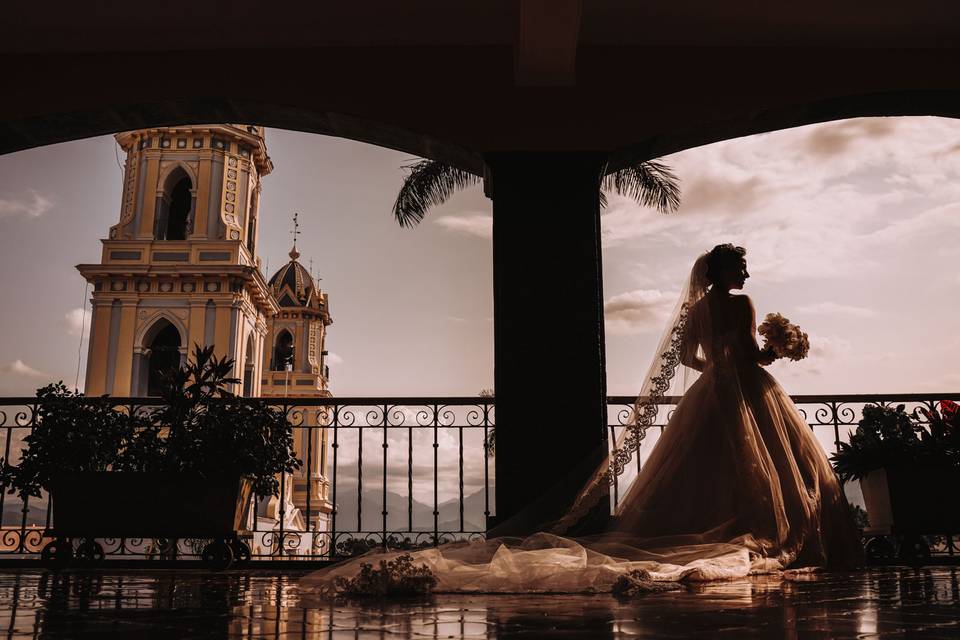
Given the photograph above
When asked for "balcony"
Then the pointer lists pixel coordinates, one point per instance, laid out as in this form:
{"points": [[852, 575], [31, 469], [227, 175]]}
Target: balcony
{"points": [[401, 472]]}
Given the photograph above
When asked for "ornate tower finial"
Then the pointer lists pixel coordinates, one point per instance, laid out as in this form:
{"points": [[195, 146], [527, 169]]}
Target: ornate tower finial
{"points": [[294, 254]]}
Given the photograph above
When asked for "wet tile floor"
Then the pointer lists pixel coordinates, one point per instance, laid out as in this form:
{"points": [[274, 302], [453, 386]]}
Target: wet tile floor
{"points": [[111, 603]]}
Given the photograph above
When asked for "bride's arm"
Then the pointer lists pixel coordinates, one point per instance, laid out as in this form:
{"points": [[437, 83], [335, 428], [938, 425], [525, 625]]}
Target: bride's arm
{"points": [[748, 335], [688, 348]]}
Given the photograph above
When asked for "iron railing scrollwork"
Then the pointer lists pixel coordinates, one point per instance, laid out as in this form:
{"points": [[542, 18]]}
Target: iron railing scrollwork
{"points": [[431, 482]]}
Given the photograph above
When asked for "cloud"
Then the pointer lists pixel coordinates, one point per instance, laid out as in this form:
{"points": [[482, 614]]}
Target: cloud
{"points": [[478, 225], [77, 320], [32, 207], [804, 216], [825, 351], [834, 309], [19, 378], [637, 311], [20, 368], [928, 223], [707, 192], [837, 138], [334, 359]]}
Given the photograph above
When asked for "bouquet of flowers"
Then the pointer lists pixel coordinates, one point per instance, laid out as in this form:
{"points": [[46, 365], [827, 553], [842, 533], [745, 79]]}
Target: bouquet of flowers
{"points": [[786, 340]]}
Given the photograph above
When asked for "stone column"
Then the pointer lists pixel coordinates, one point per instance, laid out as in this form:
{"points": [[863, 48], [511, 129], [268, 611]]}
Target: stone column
{"points": [[550, 378]]}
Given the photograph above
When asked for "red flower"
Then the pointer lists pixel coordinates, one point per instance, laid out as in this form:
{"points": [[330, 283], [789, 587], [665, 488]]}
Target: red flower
{"points": [[949, 409]]}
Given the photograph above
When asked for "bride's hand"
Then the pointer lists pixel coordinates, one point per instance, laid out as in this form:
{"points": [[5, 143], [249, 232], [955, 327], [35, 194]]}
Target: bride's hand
{"points": [[767, 356]]}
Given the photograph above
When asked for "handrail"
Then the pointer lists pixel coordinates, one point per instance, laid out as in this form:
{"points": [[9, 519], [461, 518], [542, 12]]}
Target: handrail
{"points": [[472, 400]]}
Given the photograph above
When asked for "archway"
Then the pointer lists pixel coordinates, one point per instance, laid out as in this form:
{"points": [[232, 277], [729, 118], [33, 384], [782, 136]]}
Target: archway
{"points": [[249, 360], [174, 207], [163, 357], [283, 351]]}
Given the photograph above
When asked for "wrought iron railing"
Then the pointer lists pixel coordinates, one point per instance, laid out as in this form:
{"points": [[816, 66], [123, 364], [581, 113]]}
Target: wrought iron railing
{"points": [[830, 417], [405, 472], [376, 471]]}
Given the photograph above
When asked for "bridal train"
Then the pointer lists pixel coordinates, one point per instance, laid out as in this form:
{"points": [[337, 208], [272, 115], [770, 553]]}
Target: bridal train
{"points": [[736, 484]]}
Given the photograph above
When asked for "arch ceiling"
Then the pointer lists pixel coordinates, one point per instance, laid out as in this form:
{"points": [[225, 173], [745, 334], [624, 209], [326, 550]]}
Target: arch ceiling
{"points": [[455, 80]]}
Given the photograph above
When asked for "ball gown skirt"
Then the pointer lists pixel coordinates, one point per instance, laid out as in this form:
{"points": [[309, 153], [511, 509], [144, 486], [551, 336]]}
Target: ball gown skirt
{"points": [[736, 484]]}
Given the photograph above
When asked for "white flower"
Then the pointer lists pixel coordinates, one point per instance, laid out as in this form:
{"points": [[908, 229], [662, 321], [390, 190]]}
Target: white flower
{"points": [[785, 339]]}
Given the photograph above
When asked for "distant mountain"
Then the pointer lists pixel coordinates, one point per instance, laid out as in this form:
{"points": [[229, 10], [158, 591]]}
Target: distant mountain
{"points": [[13, 513], [397, 516], [473, 518]]}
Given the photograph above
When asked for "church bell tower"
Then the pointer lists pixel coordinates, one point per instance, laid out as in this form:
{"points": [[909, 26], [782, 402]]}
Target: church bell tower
{"points": [[180, 266]]}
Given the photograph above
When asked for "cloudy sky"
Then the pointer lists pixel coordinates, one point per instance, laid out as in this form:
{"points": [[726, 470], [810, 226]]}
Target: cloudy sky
{"points": [[851, 231]]}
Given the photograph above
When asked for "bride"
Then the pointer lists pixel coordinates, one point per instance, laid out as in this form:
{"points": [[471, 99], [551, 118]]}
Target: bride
{"points": [[736, 484]]}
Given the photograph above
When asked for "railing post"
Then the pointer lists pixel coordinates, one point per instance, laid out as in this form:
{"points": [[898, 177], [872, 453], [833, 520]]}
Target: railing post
{"points": [[436, 446], [460, 461], [333, 512], [410, 479], [309, 479], [360, 477], [383, 511], [486, 462]]}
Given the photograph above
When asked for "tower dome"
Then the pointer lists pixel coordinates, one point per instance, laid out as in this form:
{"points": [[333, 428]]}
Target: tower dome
{"points": [[292, 284]]}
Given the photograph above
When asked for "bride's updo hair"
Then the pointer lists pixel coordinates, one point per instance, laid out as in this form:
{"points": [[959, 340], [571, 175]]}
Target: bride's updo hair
{"points": [[720, 258]]}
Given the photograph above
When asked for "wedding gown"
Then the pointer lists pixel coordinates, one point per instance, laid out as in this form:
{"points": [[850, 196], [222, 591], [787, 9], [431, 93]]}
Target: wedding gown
{"points": [[736, 484]]}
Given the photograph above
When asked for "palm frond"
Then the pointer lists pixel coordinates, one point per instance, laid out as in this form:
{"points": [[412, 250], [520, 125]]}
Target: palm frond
{"points": [[651, 183], [429, 183]]}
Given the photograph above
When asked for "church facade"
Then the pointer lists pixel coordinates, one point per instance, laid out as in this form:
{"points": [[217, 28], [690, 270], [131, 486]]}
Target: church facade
{"points": [[180, 268]]}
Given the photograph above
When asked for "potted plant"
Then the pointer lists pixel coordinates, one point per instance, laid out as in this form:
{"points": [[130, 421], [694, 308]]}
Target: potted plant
{"points": [[183, 469], [907, 470]]}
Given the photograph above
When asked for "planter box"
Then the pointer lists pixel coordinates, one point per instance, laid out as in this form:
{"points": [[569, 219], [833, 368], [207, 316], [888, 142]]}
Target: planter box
{"points": [[913, 499], [149, 505]]}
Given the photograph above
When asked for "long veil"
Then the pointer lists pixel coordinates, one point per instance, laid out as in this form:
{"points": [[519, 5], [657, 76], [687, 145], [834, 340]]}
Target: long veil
{"points": [[661, 378]]}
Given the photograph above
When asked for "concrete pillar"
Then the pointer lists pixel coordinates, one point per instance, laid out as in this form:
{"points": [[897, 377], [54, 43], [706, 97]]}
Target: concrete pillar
{"points": [[550, 374]]}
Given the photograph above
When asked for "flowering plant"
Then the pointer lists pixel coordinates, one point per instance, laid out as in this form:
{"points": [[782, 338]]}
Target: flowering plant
{"points": [[944, 424], [202, 427], [888, 437], [784, 339], [395, 578]]}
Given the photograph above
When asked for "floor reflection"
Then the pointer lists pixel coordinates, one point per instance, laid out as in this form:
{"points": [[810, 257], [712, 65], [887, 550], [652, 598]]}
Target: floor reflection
{"points": [[913, 603]]}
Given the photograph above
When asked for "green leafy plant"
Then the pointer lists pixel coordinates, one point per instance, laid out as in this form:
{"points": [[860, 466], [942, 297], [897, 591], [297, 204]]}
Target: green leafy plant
{"points": [[888, 437], [70, 433], [351, 547], [430, 183], [395, 578], [202, 427]]}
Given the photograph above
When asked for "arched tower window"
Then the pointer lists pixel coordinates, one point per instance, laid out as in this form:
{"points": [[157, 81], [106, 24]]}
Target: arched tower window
{"points": [[176, 204], [164, 356], [249, 361], [283, 351]]}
